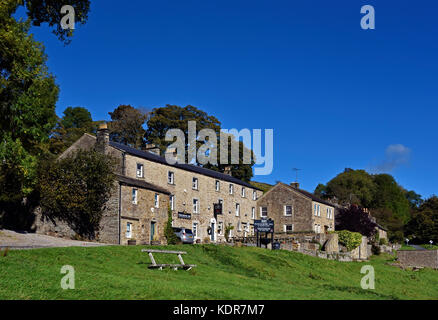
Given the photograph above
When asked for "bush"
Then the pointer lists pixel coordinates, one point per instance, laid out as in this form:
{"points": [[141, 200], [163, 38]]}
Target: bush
{"points": [[351, 240], [383, 242], [168, 230], [75, 189], [375, 249]]}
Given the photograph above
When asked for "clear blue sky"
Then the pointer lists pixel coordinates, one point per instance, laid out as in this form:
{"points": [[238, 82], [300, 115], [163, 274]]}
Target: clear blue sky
{"points": [[336, 96]]}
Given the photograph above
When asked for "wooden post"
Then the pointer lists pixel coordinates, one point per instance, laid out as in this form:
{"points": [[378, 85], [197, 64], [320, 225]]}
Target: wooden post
{"points": [[152, 259], [181, 259]]}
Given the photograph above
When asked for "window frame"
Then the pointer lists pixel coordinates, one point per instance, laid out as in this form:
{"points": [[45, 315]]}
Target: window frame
{"points": [[134, 196], [197, 205], [288, 225], [285, 210], [157, 201], [217, 185], [171, 175], [237, 209], [231, 189], [261, 212], [195, 183], [128, 233], [243, 192], [172, 202], [142, 170]]}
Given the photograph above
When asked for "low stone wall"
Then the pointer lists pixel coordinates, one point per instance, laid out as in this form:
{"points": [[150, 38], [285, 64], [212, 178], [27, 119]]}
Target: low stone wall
{"points": [[418, 258]]}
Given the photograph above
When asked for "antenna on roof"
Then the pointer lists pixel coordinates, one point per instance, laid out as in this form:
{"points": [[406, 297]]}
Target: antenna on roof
{"points": [[296, 173]]}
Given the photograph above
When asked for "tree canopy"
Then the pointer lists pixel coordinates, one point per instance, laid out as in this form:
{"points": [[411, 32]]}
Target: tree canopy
{"points": [[126, 126]]}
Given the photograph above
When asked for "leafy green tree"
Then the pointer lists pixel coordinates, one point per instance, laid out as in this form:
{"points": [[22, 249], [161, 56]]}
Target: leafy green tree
{"points": [[75, 122], [321, 191], [424, 224], [75, 189], [352, 187], [126, 126], [415, 199], [174, 117], [388, 194], [386, 218]]}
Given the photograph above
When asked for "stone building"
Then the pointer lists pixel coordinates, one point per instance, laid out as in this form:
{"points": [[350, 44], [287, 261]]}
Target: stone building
{"points": [[148, 185], [296, 210]]}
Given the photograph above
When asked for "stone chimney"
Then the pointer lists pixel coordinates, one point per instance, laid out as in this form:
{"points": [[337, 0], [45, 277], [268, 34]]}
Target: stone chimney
{"points": [[295, 185], [102, 140], [152, 148], [227, 170]]}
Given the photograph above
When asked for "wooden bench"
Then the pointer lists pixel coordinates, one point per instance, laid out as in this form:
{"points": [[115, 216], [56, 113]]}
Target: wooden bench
{"points": [[160, 266]]}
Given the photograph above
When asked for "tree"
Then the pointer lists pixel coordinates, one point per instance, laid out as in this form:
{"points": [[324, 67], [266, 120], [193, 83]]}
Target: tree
{"points": [[388, 194], [126, 126], [321, 191], [387, 219], [168, 230], [424, 224], [75, 122], [355, 219], [49, 11], [415, 199], [75, 189], [174, 117], [28, 94], [352, 187]]}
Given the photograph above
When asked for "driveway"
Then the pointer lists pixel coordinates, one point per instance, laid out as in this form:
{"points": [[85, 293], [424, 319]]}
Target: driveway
{"points": [[22, 240], [417, 247]]}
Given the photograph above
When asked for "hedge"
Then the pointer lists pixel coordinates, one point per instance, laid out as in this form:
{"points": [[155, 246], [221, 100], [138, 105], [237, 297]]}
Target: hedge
{"points": [[351, 240]]}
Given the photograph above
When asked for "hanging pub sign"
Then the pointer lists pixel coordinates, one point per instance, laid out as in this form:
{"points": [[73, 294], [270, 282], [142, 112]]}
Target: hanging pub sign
{"points": [[184, 215], [264, 225], [217, 208]]}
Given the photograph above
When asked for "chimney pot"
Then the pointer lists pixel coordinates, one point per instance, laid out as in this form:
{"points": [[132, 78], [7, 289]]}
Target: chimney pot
{"points": [[295, 185]]}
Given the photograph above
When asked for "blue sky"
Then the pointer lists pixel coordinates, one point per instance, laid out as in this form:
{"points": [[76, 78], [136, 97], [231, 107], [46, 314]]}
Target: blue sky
{"points": [[336, 96]]}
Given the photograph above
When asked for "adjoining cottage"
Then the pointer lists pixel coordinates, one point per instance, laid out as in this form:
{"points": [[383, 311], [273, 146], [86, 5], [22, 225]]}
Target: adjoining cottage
{"points": [[296, 210], [147, 186]]}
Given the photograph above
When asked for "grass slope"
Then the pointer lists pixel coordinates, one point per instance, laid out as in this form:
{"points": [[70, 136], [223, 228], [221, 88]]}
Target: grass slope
{"points": [[120, 272]]}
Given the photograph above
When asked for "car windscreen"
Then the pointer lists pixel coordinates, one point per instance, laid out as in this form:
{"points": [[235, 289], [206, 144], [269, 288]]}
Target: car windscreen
{"points": [[188, 231]]}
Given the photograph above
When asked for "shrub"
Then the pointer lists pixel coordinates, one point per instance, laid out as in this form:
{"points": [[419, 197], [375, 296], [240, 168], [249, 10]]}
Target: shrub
{"points": [[168, 230], [375, 249], [351, 240], [75, 189], [383, 241]]}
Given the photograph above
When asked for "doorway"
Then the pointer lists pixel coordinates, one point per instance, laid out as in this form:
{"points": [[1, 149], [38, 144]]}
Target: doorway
{"points": [[152, 234]]}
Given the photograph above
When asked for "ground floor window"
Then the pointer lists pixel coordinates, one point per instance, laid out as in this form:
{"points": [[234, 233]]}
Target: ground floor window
{"points": [[317, 228], [195, 229], [288, 227], [220, 228]]}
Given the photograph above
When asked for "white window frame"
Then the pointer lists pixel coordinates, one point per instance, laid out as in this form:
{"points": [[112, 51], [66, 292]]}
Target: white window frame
{"points": [[231, 188], [243, 192], [157, 200], [285, 210], [141, 174], [220, 228], [237, 209], [217, 185], [171, 177], [319, 210], [253, 213], [285, 227], [195, 203], [195, 183], [172, 202], [239, 226], [128, 233], [195, 227], [254, 195], [134, 195], [261, 212]]}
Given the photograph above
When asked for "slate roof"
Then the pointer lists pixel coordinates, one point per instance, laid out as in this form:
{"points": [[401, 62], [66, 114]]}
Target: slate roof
{"points": [[310, 195], [140, 184], [188, 167]]}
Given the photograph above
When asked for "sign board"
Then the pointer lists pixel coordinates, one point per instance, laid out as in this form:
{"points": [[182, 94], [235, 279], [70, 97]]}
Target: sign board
{"points": [[264, 225], [183, 215], [217, 208]]}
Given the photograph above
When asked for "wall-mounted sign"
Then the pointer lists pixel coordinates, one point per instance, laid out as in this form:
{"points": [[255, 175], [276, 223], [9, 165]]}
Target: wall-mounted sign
{"points": [[183, 215], [217, 208], [264, 225]]}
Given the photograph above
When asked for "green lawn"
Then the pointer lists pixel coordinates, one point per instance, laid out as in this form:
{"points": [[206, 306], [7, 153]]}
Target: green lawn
{"points": [[120, 272], [430, 247]]}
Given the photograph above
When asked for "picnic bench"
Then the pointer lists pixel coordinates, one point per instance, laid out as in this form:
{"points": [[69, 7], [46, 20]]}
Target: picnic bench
{"points": [[155, 265]]}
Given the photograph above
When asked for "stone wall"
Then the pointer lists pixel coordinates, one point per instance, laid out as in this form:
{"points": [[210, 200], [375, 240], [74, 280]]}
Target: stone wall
{"points": [[280, 196], [418, 258]]}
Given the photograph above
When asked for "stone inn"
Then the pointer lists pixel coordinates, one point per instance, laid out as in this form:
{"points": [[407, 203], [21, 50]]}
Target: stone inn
{"points": [[296, 210], [146, 186]]}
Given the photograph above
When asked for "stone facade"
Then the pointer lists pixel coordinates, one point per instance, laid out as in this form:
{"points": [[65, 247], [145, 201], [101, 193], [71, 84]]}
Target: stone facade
{"points": [[192, 203], [306, 213], [418, 258]]}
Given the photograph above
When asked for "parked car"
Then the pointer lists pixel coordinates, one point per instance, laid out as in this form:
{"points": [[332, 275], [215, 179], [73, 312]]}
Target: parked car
{"points": [[185, 235]]}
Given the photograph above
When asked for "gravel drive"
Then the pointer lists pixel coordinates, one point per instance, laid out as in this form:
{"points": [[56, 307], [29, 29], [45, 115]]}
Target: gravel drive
{"points": [[23, 240]]}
